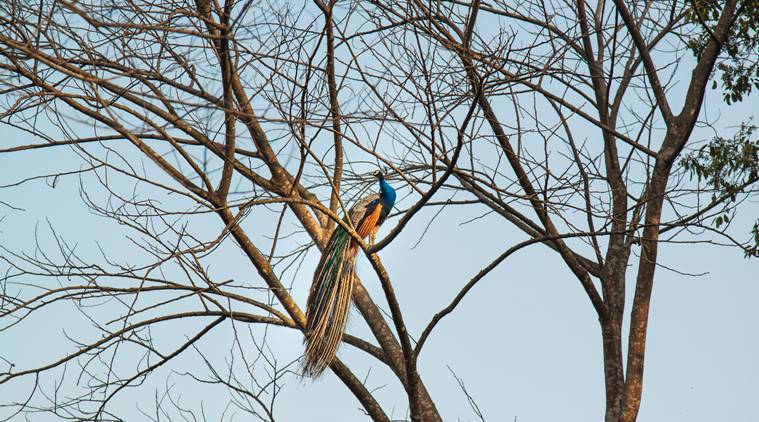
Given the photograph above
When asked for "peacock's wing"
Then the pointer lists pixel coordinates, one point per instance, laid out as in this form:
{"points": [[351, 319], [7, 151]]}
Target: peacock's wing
{"points": [[360, 208], [367, 215]]}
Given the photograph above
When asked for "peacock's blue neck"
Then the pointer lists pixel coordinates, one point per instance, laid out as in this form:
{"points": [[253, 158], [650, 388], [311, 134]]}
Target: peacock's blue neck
{"points": [[387, 194]]}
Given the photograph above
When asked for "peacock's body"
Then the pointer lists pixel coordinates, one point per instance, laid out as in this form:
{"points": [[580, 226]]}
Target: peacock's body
{"points": [[330, 296]]}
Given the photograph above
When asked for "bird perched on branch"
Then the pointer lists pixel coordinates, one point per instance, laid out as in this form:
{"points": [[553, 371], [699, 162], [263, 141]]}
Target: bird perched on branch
{"points": [[330, 296]]}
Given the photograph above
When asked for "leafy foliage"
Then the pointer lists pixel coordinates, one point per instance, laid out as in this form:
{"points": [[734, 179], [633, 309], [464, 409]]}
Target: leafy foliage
{"points": [[726, 164], [739, 69], [753, 250], [729, 166]]}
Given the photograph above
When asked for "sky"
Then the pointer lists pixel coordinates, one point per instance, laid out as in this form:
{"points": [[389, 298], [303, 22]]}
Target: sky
{"points": [[525, 343]]}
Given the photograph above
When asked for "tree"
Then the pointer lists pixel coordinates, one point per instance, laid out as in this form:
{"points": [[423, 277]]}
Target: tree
{"points": [[263, 122]]}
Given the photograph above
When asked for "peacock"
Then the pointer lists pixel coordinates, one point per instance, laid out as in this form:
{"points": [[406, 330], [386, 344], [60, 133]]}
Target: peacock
{"points": [[330, 296]]}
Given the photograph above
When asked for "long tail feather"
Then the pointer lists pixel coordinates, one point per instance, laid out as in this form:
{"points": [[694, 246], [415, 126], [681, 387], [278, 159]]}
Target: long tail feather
{"points": [[329, 302]]}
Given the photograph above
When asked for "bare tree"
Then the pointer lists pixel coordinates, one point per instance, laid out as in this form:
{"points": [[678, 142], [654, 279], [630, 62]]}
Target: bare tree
{"points": [[264, 122]]}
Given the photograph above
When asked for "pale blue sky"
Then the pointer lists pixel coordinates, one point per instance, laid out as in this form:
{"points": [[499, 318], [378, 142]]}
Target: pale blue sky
{"points": [[525, 342]]}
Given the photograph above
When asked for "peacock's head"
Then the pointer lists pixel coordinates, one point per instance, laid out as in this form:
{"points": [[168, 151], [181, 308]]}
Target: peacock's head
{"points": [[387, 193]]}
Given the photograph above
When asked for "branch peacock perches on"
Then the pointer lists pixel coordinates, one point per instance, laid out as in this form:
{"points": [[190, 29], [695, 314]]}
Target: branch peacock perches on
{"points": [[330, 296]]}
